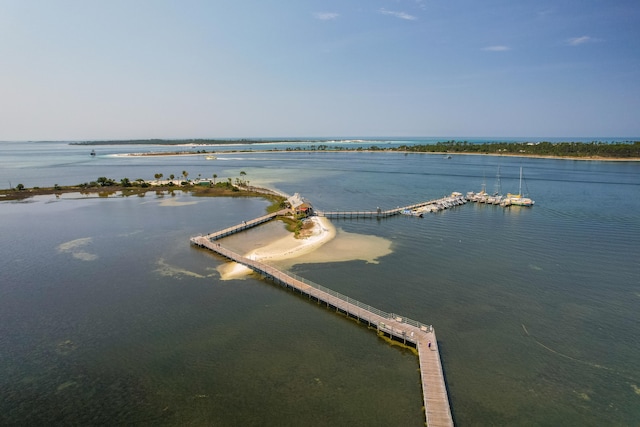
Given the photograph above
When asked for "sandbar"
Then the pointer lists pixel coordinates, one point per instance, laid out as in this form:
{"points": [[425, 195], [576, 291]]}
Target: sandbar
{"points": [[324, 243], [286, 247]]}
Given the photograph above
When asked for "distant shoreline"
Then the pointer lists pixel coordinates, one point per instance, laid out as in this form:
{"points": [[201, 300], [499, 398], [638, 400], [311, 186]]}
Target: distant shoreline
{"points": [[440, 153], [627, 149]]}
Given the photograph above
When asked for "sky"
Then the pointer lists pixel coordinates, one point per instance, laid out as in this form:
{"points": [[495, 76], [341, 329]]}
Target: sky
{"points": [[112, 69]]}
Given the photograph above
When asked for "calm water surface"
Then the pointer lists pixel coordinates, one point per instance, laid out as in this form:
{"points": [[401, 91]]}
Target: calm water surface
{"points": [[108, 316]]}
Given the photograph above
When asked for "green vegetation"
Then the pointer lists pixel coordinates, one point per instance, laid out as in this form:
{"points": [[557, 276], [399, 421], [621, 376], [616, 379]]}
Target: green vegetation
{"points": [[103, 181], [559, 149], [594, 149], [277, 203], [105, 187], [294, 225]]}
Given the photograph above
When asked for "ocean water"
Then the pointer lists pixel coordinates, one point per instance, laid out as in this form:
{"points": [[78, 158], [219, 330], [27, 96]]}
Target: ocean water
{"points": [[108, 316]]}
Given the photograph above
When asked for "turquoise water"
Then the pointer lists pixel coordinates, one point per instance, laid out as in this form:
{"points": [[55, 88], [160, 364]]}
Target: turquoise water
{"points": [[108, 316]]}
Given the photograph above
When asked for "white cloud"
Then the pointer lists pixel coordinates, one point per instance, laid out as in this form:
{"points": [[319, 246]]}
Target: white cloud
{"points": [[575, 41], [326, 16], [401, 15], [496, 48]]}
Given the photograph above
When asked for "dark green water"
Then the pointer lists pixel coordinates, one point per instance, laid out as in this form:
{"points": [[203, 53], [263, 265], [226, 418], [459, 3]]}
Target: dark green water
{"points": [[125, 323]]}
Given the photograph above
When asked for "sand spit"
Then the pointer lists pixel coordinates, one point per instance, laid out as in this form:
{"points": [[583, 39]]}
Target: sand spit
{"points": [[284, 248], [324, 244]]}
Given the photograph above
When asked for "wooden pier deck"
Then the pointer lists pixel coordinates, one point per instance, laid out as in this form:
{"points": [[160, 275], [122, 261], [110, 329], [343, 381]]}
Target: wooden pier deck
{"points": [[378, 213], [399, 328], [245, 225]]}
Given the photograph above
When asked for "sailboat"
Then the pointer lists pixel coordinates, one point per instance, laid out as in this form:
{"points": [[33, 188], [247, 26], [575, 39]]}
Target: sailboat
{"points": [[484, 197], [517, 199]]}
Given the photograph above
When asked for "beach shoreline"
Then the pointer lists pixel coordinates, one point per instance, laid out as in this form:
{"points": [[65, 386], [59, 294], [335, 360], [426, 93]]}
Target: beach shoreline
{"points": [[443, 153], [284, 248]]}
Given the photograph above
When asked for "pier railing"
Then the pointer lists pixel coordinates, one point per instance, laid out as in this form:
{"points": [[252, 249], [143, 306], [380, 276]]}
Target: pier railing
{"points": [[378, 213], [259, 267], [366, 307], [435, 397]]}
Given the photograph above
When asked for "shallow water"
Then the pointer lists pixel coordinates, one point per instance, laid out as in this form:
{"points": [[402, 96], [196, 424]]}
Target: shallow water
{"points": [[107, 315]]}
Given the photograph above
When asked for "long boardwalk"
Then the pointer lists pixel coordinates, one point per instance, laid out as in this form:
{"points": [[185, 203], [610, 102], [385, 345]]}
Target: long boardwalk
{"points": [[244, 225], [399, 328]]}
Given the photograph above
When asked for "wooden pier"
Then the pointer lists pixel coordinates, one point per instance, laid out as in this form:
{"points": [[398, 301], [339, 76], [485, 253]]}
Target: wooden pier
{"points": [[379, 213], [393, 326], [245, 225]]}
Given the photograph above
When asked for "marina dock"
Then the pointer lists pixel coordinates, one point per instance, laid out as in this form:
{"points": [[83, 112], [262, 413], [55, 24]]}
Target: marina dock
{"points": [[393, 326], [416, 209]]}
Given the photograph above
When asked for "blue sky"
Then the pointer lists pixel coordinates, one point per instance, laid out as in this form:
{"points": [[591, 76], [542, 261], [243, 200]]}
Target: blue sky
{"points": [[72, 70]]}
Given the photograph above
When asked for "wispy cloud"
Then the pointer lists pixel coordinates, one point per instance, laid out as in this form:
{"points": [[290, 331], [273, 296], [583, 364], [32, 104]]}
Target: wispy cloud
{"points": [[401, 15], [326, 16], [576, 41], [420, 4], [496, 48]]}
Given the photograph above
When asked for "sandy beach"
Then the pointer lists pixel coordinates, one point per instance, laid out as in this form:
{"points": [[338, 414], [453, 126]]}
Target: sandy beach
{"points": [[285, 248], [437, 153]]}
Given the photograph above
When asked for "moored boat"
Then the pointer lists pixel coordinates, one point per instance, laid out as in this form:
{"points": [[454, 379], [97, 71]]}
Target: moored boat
{"points": [[410, 212], [518, 199]]}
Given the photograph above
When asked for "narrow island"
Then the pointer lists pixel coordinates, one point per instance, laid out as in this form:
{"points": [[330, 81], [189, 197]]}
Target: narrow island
{"points": [[595, 150]]}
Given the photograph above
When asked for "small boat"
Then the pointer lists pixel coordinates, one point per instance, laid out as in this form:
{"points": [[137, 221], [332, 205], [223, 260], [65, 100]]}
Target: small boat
{"points": [[411, 213], [93, 152], [210, 157]]}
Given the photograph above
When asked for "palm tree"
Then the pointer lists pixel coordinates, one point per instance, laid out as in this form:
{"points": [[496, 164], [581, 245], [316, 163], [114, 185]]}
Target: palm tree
{"points": [[185, 174]]}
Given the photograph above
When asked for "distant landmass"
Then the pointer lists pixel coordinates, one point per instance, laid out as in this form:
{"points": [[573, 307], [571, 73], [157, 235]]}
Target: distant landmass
{"points": [[594, 149], [180, 141], [618, 150]]}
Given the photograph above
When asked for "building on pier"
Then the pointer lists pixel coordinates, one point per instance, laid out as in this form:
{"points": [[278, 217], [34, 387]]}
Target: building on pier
{"points": [[299, 205]]}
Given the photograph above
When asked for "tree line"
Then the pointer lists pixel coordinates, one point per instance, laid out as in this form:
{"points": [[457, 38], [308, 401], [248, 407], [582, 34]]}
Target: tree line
{"points": [[545, 148]]}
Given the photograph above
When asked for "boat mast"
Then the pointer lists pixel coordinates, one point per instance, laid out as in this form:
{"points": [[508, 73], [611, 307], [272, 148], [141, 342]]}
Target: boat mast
{"points": [[520, 188]]}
